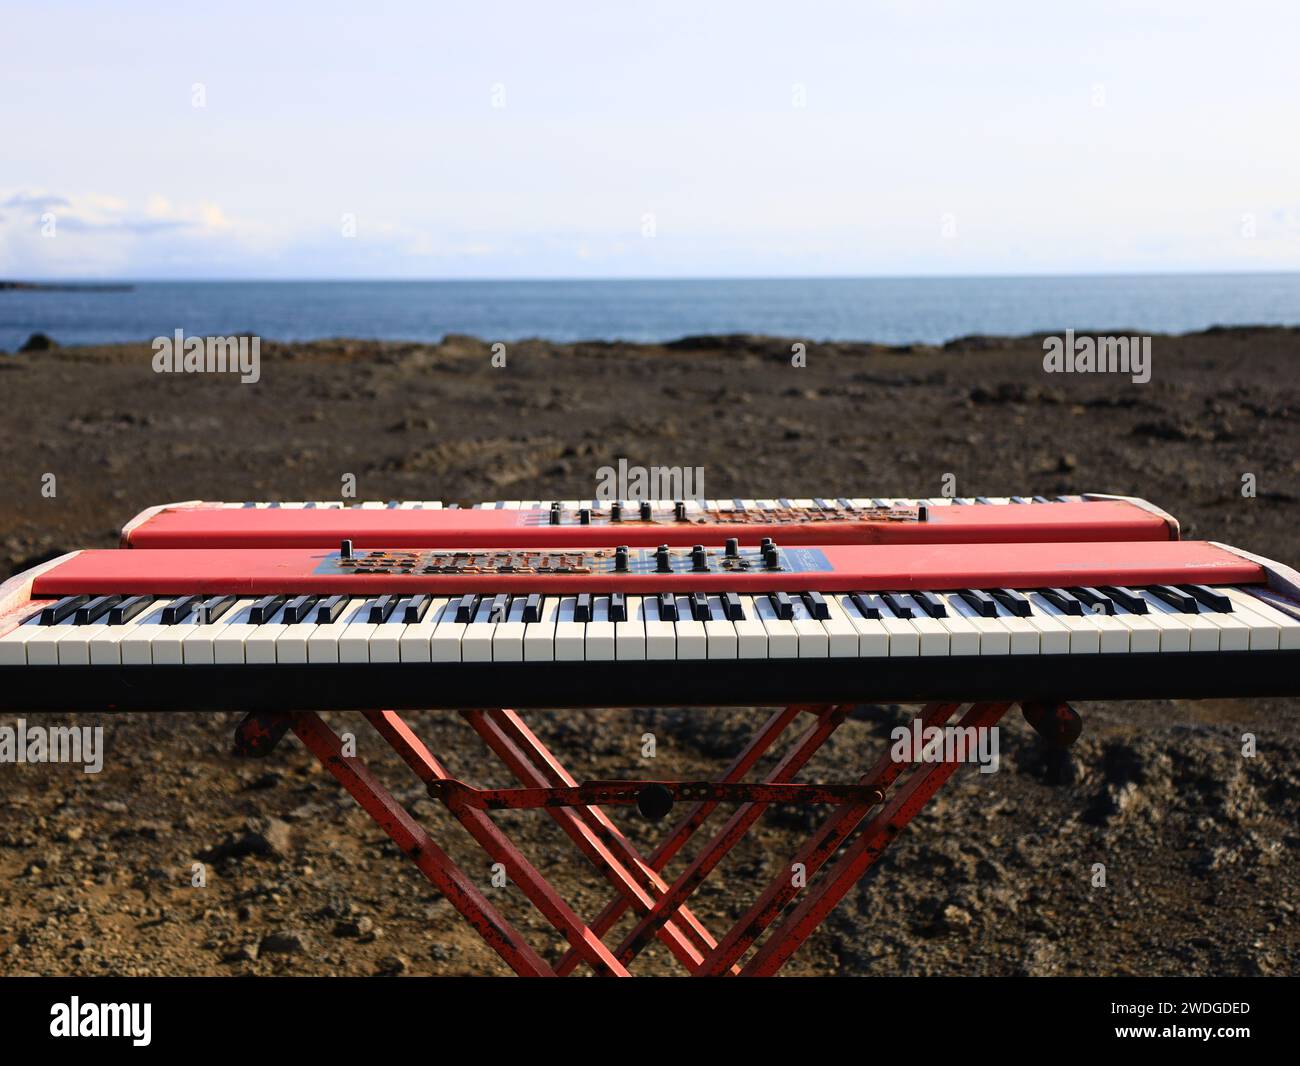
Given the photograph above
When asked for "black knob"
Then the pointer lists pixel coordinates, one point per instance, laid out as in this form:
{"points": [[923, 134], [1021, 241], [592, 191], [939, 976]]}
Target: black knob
{"points": [[771, 558], [654, 801], [584, 516], [663, 560], [645, 510], [616, 511], [555, 516], [699, 559], [923, 512], [768, 542], [620, 557], [679, 511], [733, 547], [345, 549]]}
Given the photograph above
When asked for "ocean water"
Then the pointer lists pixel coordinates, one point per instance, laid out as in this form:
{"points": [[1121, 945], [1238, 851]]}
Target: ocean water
{"points": [[886, 310]]}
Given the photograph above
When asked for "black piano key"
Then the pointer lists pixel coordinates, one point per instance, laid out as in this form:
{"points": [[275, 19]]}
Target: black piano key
{"points": [[500, 609], [65, 608], [866, 602], [617, 607], [700, 609], [930, 603], [466, 607], [1207, 597], [212, 610], [823, 504], [846, 503], [1041, 499], [785, 503], [264, 609], [957, 501], [984, 604], [1126, 597], [415, 608], [732, 608], [533, 607], [95, 609], [816, 604], [179, 610], [667, 607], [381, 608], [897, 603], [1062, 600], [329, 610], [738, 504], [582, 607], [784, 606], [1095, 600], [128, 609], [1177, 599], [1013, 601], [983, 499], [299, 608], [1018, 499]]}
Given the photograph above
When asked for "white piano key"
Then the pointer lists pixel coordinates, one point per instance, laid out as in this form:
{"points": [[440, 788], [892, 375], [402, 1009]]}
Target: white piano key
{"points": [[995, 638], [539, 636], [198, 648], [1271, 629], [385, 641], [137, 644], [629, 635], [963, 637], [259, 646], [418, 636], [1203, 635], [692, 640], [570, 636], [1175, 635], [508, 640], [323, 643], [719, 632], [1083, 635], [1026, 638], [814, 643], [660, 635], [600, 634], [1054, 635], [782, 639], [476, 643], [904, 639], [873, 637], [841, 634], [751, 635]]}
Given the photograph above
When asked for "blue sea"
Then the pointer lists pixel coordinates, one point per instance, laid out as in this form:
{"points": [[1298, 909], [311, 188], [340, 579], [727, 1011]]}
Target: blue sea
{"points": [[886, 310]]}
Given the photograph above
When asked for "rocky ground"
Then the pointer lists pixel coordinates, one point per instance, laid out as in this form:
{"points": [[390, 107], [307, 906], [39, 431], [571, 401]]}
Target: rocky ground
{"points": [[1200, 845]]}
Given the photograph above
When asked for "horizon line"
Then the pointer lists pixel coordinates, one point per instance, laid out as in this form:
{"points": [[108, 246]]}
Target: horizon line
{"points": [[217, 280]]}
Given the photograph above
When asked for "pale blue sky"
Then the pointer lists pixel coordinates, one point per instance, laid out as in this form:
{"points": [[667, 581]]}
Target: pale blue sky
{"points": [[933, 138]]}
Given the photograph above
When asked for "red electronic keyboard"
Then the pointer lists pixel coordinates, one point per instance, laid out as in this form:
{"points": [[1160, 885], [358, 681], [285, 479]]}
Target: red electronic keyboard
{"points": [[680, 523], [450, 626]]}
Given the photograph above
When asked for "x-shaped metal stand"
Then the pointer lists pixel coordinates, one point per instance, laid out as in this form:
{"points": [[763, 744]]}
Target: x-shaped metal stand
{"points": [[865, 818]]}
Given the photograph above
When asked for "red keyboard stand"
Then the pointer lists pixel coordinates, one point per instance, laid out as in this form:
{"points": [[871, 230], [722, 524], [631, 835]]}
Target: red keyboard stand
{"points": [[864, 819]]}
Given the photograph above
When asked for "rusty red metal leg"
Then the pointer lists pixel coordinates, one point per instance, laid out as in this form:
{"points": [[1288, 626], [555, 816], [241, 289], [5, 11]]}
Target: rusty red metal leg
{"points": [[493, 841], [814, 854], [728, 836], [596, 843], [694, 818], [870, 843], [417, 845]]}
